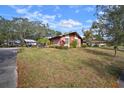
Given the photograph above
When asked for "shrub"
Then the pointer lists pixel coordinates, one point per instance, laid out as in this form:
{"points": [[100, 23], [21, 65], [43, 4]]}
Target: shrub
{"points": [[58, 47], [45, 41], [62, 47], [96, 46], [52, 46], [74, 44], [83, 45]]}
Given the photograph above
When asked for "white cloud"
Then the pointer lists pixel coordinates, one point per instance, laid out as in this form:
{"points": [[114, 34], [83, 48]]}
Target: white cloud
{"points": [[56, 8], [66, 25], [41, 17], [86, 27], [21, 10], [39, 6], [12, 6], [48, 18], [74, 6], [89, 21], [69, 23], [101, 13], [62, 25], [59, 15], [89, 9], [36, 15], [33, 16], [77, 11], [53, 25]]}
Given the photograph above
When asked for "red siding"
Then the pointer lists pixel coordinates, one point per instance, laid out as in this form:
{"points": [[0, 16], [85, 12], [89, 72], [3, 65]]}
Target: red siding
{"points": [[72, 37], [55, 41]]}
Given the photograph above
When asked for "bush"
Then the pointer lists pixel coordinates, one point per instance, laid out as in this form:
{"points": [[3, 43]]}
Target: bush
{"points": [[62, 47], [45, 41], [84, 45], [51, 46], [96, 46], [74, 44], [58, 47]]}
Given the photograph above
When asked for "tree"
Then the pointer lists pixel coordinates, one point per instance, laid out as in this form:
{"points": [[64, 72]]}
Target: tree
{"points": [[5, 30], [74, 44], [44, 41], [22, 28], [97, 30], [97, 37], [88, 37], [58, 33], [113, 23], [2, 36]]}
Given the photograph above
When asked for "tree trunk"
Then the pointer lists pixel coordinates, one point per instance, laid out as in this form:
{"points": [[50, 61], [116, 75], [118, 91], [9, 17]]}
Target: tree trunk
{"points": [[115, 48], [115, 51]]}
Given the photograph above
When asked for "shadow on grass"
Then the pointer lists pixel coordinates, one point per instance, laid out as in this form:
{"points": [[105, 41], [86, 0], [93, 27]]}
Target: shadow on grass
{"points": [[121, 50], [113, 70], [103, 69], [98, 52], [106, 48]]}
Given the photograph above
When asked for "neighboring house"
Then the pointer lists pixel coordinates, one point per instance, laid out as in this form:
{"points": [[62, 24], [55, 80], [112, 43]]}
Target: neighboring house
{"points": [[15, 43], [66, 39], [12, 43], [30, 42], [98, 43]]}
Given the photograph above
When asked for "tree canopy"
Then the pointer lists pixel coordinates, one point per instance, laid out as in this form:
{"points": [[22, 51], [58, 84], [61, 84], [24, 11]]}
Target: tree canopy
{"points": [[111, 20], [21, 28], [88, 36]]}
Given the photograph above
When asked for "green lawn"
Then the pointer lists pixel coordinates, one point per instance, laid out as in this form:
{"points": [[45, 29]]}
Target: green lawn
{"points": [[75, 67]]}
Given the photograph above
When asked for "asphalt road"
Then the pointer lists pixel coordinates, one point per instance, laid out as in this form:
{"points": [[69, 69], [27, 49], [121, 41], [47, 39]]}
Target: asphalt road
{"points": [[8, 74]]}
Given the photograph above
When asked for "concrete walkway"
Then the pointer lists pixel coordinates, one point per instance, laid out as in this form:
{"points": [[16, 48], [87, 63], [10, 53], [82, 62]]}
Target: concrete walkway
{"points": [[8, 74]]}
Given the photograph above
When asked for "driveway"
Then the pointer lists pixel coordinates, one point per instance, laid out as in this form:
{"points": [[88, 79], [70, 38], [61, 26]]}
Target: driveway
{"points": [[8, 74]]}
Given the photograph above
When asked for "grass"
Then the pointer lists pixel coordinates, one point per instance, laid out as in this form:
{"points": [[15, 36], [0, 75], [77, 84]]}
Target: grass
{"points": [[75, 67]]}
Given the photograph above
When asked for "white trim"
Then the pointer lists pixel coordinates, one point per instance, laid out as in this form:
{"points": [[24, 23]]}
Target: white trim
{"points": [[68, 41], [76, 37]]}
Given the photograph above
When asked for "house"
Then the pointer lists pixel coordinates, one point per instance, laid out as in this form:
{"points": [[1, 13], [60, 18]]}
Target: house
{"points": [[30, 42], [98, 43], [66, 39], [12, 43]]}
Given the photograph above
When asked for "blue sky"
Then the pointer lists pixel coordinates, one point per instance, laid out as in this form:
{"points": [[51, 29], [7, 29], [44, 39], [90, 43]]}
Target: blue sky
{"points": [[61, 18]]}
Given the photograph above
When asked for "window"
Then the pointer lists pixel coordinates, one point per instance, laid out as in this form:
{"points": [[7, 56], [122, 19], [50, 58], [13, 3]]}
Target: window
{"points": [[66, 40]]}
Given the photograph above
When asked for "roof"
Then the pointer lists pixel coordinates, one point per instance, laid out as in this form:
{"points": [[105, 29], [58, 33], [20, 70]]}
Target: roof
{"points": [[66, 34], [30, 40], [13, 41]]}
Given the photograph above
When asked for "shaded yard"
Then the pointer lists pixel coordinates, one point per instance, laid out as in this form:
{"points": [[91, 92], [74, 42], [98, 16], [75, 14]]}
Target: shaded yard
{"points": [[50, 67]]}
